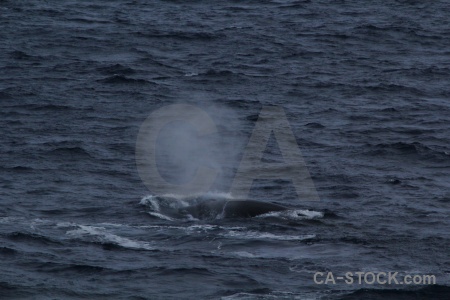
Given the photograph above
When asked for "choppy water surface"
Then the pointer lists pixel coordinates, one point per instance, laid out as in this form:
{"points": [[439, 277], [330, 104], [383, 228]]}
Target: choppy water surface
{"points": [[365, 85]]}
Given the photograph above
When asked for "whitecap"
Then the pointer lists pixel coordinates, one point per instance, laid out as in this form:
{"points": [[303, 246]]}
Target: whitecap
{"points": [[257, 235], [100, 234]]}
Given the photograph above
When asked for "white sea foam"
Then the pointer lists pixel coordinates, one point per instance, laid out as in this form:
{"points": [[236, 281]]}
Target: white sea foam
{"points": [[65, 224], [102, 235], [161, 216], [244, 254], [5, 220], [257, 235], [297, 214]]}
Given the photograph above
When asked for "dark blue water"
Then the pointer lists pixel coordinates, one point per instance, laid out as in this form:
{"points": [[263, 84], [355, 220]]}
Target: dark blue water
{"points": [[365, 86]]}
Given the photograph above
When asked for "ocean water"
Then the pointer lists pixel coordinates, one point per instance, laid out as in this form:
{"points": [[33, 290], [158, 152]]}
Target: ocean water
{"points": [[365, 87]]}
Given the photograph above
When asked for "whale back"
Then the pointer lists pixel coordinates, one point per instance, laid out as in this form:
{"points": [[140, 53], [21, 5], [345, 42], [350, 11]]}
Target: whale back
{"points": [[232, 209], [249, 208]]}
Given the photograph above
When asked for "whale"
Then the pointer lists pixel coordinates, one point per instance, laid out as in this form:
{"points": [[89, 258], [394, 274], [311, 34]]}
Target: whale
{"points": [[231, 209]]}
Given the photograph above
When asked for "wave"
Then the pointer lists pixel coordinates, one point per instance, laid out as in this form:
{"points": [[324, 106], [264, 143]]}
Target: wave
{"points": [[105, 234], [258, 235], [85, 269], [225, 74], [218, 73], [391, 87], [295, 214], [266, 294], [412, 148], [20, 55], [5, 95], [122, 79], [181, 35], [153, 237], [7, 251], [10, 291], [70, 151], [43, 107], [31, 237], [116, 69], [315, 125], [19, 169], [88, 20], [100, 235], [435, 292]]}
